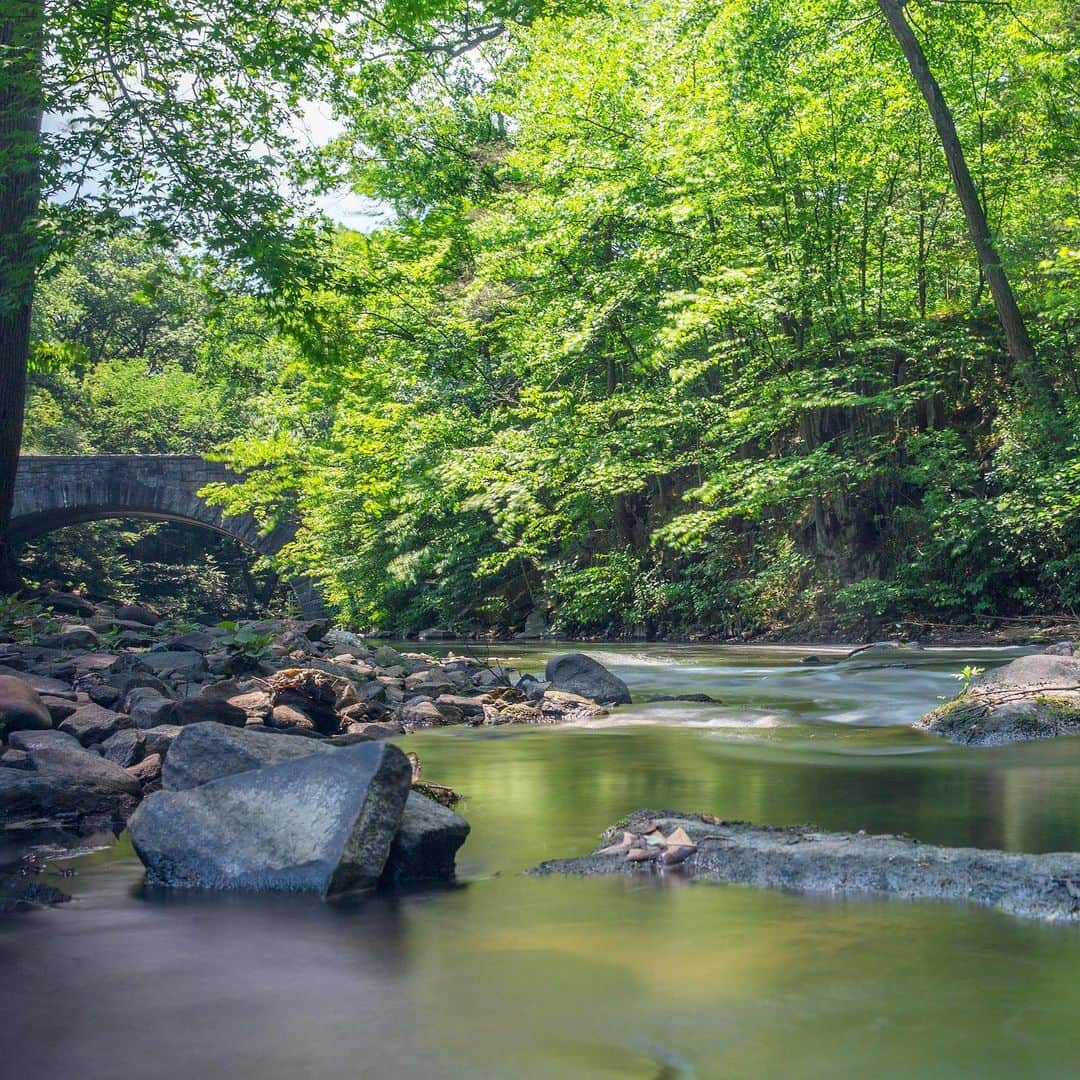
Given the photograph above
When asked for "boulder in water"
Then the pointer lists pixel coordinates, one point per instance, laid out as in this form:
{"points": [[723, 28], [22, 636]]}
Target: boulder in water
{"points": [[322, 823], [577, 673], [1032, 697], [426, 844]]}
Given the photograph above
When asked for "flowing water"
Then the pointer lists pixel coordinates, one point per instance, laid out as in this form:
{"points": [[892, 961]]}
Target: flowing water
{"points": [[509, 976]]}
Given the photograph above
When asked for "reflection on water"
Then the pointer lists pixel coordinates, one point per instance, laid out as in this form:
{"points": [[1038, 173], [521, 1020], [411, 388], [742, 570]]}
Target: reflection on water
{"points": [[519, 977]]}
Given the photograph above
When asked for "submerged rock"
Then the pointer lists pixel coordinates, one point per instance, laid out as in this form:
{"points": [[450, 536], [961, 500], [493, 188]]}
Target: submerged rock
{"points": [[1032, 697], [322, 823], [837, 864], [577, 673]]}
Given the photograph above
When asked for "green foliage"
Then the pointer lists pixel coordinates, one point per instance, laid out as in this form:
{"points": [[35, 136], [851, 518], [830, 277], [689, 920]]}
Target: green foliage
{"points": [[966, 674], [676, 323]]}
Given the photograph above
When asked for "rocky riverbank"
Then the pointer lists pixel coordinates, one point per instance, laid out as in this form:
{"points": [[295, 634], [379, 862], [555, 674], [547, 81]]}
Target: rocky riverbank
{"points": [[113, 708], [803, 859]]}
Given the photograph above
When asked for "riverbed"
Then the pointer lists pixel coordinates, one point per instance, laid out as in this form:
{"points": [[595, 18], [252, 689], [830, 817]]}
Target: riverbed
{"points": [[509, 976]]}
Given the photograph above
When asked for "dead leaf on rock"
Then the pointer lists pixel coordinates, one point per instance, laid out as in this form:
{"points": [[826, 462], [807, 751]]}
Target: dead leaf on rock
{"points": [[628, 841], [675, 855]]}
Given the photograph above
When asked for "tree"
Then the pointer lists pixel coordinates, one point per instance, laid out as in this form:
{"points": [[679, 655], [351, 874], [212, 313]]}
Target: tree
{"points": [[185, 118], [1017, 340], [21, 107]]}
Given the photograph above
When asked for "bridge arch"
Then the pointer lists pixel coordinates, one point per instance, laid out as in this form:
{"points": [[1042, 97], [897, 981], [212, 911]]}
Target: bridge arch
{"points": [[52, 491]]}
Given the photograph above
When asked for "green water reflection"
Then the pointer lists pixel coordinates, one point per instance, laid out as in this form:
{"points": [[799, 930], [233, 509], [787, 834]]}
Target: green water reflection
{"points": [[521, 977]]}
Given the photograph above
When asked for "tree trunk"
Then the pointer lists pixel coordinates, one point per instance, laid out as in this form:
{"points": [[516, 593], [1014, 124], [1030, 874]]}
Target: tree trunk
{"points": [[20, 192], [1021, 350]]}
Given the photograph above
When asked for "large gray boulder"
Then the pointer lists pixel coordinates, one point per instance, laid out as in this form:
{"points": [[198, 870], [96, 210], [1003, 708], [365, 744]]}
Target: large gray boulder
{"points": [[1032, 697], [426, 844], [322, 823], [63, 778], [20, 707], [577, 673], [201, 753]]}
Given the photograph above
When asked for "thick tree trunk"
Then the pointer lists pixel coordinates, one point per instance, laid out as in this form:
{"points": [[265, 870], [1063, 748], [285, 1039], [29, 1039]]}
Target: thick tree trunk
{"points": [[1018, 343], [20, 191]]}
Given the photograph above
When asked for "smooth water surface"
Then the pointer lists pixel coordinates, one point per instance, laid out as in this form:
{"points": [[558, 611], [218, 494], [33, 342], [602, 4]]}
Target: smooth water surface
{"points": [[509, 976]]}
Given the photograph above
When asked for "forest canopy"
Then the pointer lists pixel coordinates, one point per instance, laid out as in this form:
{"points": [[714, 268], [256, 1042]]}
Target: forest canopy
{"points": [[677, 325]]}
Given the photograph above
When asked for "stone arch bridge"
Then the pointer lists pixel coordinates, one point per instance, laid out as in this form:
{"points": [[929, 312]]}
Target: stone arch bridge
{"points": [[52, 491]]}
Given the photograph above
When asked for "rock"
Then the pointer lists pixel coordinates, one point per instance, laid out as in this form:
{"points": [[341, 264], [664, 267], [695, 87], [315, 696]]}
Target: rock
{"points": [[65, 779], [147, 771], [44, 740], [126, 681], [16, 759], [1032, 697], [375, 730], [313, 629], [20, 893], [92, 724], [68, 603], [387, 657], [198, 710], [426, 844], [1060, 648], [205, 752], [147, 706], [420, 713], [432, 683], [173, 663], [486, 679], [885, 653], [559, 707], [200, 641], [535, 625], [318, 694], [76, 636], [20, 706], [802, 859], [450, 714], [346, 640], [436, 633], [105, 694], [138, 613], [581, 674], [322, 823], [532, 687], [42, 684], [160, 738], [288, 716], [255, 704], [125, 748], [468, 706]]}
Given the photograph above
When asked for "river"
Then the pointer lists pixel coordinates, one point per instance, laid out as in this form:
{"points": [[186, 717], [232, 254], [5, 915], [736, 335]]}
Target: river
{"points": [[509, 976]]}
